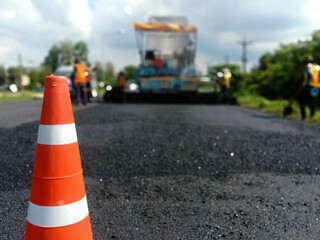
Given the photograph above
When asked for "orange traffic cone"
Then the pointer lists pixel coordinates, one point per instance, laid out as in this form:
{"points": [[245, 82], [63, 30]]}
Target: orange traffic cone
{"points": [[58, 206]]}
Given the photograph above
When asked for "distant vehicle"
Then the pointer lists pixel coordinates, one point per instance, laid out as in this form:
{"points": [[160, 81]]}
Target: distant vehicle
{"points": [[12, 87], [4, 86], [66, 70], [167, 48]]}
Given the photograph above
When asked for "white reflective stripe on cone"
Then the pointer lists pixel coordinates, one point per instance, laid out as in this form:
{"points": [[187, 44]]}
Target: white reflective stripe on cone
{"points": [[57, 134], [58, 216]]}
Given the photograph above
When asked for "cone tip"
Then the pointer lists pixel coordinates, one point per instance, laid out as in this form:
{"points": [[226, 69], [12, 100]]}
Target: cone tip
{"points": [[56, 83], [56, 106]]}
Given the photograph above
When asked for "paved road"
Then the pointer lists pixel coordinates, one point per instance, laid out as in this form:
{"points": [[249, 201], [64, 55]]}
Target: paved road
{"points": [[180, 172], [15, 113]]}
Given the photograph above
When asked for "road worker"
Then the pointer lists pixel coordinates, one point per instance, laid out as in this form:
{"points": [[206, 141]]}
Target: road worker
{"points": [[225, 80], [121, 79], [80, 82], [88, 81], [121, 85], [310, 87]]}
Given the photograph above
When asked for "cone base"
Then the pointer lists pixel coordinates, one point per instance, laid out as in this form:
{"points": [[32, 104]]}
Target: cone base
{"points": [[80, 231]]}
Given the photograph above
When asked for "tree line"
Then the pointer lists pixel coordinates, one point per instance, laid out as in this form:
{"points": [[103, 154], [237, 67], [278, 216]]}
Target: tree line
{"points": [[280, 74], [277, 75], [63, 53]]}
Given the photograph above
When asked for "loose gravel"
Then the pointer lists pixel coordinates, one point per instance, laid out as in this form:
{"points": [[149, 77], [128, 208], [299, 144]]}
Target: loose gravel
{"points": [[180, 172]]}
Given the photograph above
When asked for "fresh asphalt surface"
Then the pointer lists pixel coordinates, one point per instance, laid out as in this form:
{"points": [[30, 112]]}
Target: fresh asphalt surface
{"points": [[180, 172]]}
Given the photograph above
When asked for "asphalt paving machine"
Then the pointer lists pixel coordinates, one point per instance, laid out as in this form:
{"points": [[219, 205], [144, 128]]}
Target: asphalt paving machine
{"points": [[167, 49]]}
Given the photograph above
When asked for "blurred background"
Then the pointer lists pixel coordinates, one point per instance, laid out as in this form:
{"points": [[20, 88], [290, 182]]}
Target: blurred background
{"points": [[263, 43]]}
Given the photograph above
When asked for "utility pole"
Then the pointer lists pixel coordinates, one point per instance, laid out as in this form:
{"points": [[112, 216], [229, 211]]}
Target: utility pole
{"points": [[20, 71], [208, 66], [244, 45], [227, 59], [5, 80]]}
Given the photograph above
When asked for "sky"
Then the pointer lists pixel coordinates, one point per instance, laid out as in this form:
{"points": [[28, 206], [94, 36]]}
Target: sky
{"points": [[31, 27]]}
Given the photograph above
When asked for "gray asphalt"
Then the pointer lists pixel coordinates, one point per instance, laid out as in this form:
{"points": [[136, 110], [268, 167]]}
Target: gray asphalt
{"points": [[16, 113], [180, 172]]}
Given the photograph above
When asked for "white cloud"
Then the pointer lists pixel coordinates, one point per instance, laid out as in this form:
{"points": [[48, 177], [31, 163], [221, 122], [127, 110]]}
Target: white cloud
{"points": [[53, 11], [80, 16], [74, 14], [135, 2], [7, 15], [311, 10], [7, 51], [128, 9]]}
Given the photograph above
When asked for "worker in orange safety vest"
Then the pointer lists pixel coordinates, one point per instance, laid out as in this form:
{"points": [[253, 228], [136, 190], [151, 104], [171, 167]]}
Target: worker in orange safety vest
{"points": [[80, 82], [121, 79], [121, 85], [310, 87]]}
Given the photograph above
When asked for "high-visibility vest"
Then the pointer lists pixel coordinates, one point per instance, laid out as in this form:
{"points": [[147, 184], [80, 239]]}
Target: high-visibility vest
{"points": [[314, 81], [81, 73], [89, 75], [121, 80], [226, 79]]}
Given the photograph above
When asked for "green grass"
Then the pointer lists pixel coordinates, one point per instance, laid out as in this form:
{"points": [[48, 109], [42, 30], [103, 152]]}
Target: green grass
{"points": [[244, 99], [205, 87], [255, 101], [7, 96]]}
